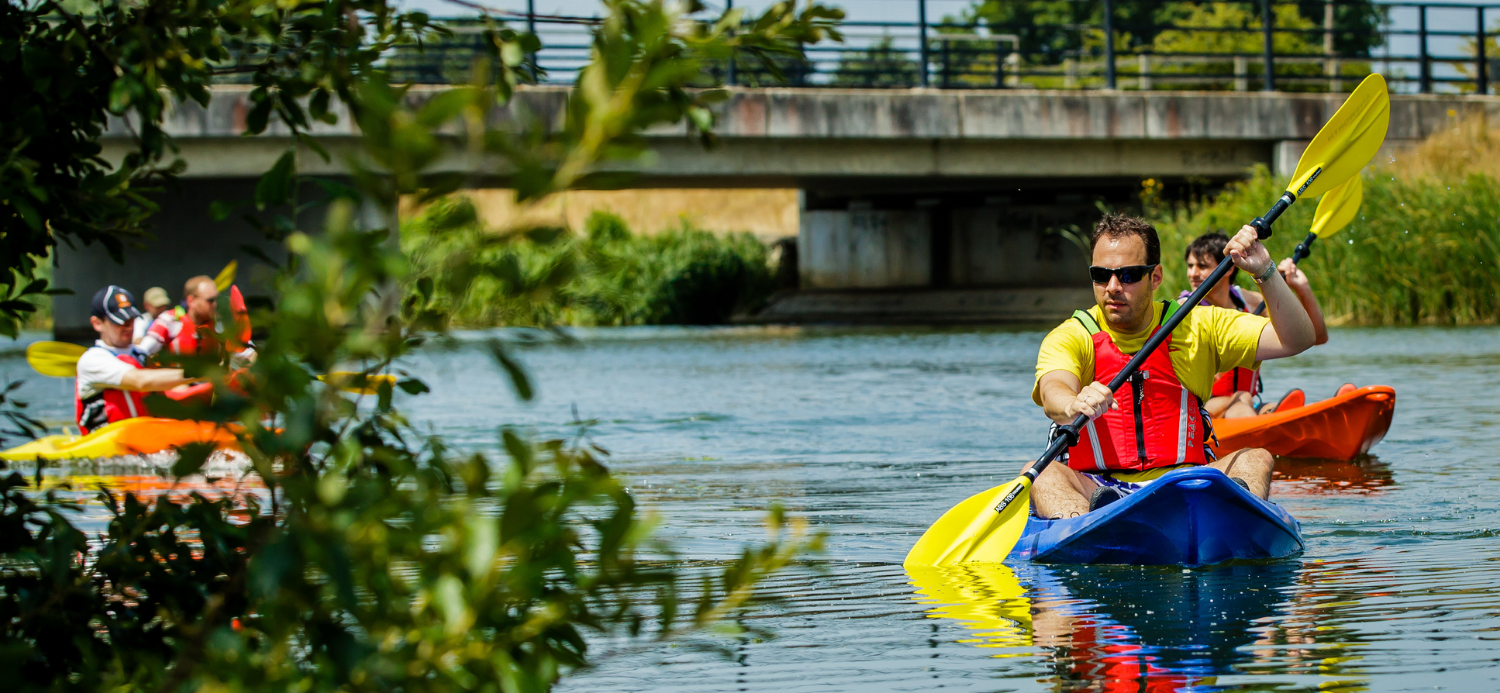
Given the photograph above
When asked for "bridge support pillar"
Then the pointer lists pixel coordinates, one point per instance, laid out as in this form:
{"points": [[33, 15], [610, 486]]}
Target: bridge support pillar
{"points": [[863, 248]]}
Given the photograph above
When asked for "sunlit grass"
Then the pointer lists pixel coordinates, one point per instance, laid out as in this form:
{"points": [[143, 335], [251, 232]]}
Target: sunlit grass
{"points": [[1425, 248], [605, 275]]}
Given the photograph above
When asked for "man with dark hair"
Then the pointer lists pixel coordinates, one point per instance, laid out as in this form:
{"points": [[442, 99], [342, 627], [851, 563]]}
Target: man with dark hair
{"points": [[1155, 423], [112, 377], [1234, 392]]}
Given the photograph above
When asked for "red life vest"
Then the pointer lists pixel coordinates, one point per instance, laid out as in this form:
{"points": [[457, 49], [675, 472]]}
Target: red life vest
{"points": [[193, 339], [1159, 423], [109, 406]]}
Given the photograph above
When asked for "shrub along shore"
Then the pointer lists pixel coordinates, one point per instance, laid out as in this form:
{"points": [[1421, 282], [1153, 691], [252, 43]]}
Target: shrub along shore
{"points": [[605, 275], [1425, 248]]}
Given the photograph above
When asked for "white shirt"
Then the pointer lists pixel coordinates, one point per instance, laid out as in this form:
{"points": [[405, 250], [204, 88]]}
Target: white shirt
{"points": [[100, 368], [140, 326]]}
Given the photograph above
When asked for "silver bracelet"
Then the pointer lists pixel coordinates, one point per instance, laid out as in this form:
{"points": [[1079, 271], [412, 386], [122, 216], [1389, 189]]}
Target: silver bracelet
{"points": [[1263, 276]]}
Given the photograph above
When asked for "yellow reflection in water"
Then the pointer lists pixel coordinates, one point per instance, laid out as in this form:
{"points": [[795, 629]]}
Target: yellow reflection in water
{"points": [[985, 597]]}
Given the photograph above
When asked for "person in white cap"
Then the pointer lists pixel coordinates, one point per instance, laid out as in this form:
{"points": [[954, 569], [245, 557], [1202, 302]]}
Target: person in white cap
{"points": [[112, 377]]}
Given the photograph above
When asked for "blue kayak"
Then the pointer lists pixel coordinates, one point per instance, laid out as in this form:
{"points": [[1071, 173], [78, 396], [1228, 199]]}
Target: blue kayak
{"points": [[1188, 517]]}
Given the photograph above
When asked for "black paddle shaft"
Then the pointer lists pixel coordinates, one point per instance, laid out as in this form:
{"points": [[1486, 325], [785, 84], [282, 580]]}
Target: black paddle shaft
{"points": [[1303, 250], [1069, 434]]}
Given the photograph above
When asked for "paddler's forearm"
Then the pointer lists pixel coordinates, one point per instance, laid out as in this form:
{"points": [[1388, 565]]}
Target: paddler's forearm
{"points": [[1314, 312], [153, 379], [1289, 319], [1058, 390]]}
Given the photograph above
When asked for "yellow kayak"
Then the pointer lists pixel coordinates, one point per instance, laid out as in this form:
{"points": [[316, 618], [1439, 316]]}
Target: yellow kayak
{"points": [[140, 436]]}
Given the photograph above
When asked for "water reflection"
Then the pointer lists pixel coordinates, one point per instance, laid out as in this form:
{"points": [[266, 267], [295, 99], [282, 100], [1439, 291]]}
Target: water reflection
{"points": [[1119, 628], [148, 478], [985, 597], [1313, 477]]}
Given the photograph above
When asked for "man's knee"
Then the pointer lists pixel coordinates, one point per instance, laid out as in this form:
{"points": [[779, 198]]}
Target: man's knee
{"points": [[1253, 457]]}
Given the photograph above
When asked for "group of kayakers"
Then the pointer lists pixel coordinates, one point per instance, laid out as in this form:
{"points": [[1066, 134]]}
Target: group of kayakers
{"points": [[1161, 418], [116, 373]]}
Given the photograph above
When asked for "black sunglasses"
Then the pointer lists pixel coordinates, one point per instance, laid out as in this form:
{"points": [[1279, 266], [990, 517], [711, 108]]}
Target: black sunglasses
{"points": [[1128, 274]]}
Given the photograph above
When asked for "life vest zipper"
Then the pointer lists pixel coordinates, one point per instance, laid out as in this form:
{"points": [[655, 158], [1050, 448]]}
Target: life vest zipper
{"points": [[1137, 389]]}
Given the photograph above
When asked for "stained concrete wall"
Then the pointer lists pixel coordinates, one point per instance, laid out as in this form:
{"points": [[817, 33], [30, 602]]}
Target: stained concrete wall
{"points": [[186, 242], [1003, 247], [839, 249]]}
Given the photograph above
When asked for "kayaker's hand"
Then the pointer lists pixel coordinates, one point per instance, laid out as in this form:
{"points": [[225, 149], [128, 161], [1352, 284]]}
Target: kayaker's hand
{"points": [[1093, 400], [1247, 251], [1294, 276]]}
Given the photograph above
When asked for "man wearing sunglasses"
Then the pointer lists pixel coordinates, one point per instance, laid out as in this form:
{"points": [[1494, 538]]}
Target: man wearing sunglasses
{"points": [[1155, 423]]}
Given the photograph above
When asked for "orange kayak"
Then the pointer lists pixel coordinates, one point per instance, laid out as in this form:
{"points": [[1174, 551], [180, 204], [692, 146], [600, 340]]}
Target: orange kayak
{"points": [[1340, 428], [140, 436]]}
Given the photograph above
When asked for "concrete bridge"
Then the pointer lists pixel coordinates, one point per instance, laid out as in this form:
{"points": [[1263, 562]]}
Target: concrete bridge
{"points": [[915, 202]]}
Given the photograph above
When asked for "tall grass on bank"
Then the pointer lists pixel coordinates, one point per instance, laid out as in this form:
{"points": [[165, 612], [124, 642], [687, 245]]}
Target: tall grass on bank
{"points": [[1425, 248], [603, 276]]}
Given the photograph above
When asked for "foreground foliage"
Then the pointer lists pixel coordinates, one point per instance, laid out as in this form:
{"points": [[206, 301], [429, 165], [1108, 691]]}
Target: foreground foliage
{"points": [[360, 553], [605, 275]]}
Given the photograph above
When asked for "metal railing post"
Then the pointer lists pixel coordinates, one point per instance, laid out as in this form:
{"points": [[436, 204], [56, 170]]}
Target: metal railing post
{"points": [[922, 37], [1109, 45], [729, 76], [1481, 80], [943, 71], [1270, 52], [1331, 64], [531, 29], [999, 63], [1424, 71]]}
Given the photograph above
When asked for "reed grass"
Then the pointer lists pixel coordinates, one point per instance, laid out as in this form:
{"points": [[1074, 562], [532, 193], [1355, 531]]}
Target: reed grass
{"points": [[606, 275], [1425, 248]]}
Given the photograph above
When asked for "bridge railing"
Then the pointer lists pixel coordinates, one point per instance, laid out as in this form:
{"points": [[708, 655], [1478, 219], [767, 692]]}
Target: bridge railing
{"points": [[1238, 45]]}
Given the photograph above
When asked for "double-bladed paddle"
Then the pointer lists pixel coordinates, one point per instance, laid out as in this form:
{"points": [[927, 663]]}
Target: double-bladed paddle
{"points": [[1335, 211], [986, 526]]}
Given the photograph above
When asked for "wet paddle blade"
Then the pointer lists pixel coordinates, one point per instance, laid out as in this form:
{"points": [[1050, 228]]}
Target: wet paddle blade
{"points": [[1338, 207], [1347, 141], [55, 359], [972, 532], [226, 276]]}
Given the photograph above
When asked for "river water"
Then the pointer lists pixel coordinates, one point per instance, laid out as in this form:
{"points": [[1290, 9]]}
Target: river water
{"points": [[871, 434]]}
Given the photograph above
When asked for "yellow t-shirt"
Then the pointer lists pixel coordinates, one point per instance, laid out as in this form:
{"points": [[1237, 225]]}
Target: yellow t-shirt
{"points": [[1209, 341]]}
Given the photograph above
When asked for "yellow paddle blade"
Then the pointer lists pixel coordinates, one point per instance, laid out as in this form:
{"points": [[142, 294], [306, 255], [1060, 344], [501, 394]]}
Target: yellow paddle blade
{"points": [[1347, 141], [985, 597], [226, 276], [358, 382], [1338, 207], [972, 532], [55, 359]]}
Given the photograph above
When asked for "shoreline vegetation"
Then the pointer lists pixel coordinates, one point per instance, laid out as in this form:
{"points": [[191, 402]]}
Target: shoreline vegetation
{"points": [[605, 275], [1424, 250]]}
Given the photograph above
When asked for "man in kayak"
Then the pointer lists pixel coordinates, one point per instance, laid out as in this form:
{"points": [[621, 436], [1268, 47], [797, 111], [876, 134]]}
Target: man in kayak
{"points": [[189, 329], [112, 377], [1234, 392], [1157, 423]]}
